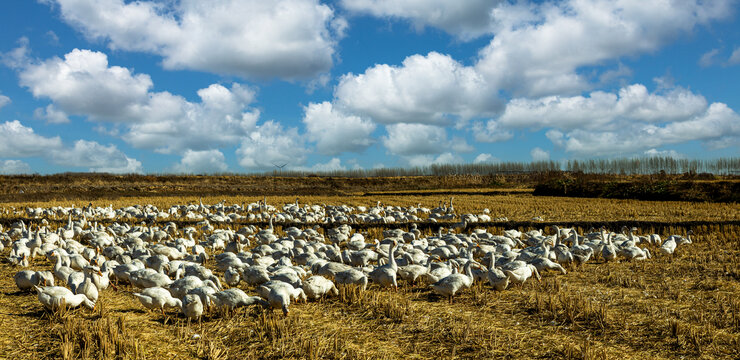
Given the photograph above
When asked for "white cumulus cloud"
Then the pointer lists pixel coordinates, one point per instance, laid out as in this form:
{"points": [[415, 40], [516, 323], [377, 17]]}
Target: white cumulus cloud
{"points": [[491, 131], [539, 154], [269, 145], [601, 109], [4, 100], [432, 89], [335, 132], [717, 127], [465, 19], [202, 162], [51, 114], [734, 58], [484, 158], [83, 83], [21, 141], [249, 38], [11, 167], [538, 49], [415, 139]]}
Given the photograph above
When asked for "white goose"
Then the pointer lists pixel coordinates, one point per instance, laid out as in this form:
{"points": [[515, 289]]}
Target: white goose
{"points": [[192, 307], [385, 275], [451, 284], [520, 274], [317, 286], [234, 298], [496, 277], [157, 298], [53, 297], [27, 279]]}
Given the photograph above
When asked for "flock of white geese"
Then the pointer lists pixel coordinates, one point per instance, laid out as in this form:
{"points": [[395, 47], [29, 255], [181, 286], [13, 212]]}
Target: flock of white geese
{"points": [[205, 266]]}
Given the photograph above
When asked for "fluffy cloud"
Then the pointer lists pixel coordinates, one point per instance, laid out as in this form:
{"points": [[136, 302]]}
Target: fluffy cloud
{"points": [[484, 158], [466, 19], [664, 153], [270, 145], [415, 139], [735, 57], [22, 141], [202, 162], [173, 124], [709, 58], [4, 100], [538, 49], [10, 167], [249, 38], [83, 83], [717, 127], [432, 89], [539, 154], [51, 114], [601, 109], [335, 132], [95, 156], [426, 160], [490, 132], [335, 164]]}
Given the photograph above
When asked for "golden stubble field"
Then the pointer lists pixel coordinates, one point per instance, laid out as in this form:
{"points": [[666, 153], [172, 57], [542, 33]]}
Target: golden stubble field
{"points": [[685, 306]]}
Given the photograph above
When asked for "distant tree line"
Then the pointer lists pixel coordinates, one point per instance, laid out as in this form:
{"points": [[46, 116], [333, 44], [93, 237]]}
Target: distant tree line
{"points": [[623, 166]]}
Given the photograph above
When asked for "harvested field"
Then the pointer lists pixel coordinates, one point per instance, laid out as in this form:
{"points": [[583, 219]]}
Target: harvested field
{"points": [[680, 306]]}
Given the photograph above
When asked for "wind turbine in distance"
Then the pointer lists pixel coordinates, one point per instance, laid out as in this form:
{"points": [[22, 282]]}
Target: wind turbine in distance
{"points": [[279, 167]]}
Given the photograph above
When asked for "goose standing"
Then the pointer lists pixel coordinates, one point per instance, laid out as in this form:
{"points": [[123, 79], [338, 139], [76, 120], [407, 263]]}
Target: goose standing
{"points": [[87, 287], [496, 277], [385, 275], [451, 284], [157, 298], [609, 251]]}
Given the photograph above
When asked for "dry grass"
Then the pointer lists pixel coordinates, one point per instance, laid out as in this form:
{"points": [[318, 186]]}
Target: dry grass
{"points": [[685, 306]]}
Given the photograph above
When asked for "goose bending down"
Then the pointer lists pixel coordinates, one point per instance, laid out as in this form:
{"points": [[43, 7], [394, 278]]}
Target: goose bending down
{"points": [[317, 286], [234, 298], [146, 278], [27, 279], [157, 298], [451, 284], [53, 297], [279, 294], [192, 307], [179, 288], [634, 253], [351, 277], [412, 271], [232, 277], [520, 274], [542, 264]]}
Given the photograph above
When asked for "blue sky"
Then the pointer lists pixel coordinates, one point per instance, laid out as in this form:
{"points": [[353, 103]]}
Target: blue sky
{"points": [[238, 86]]}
